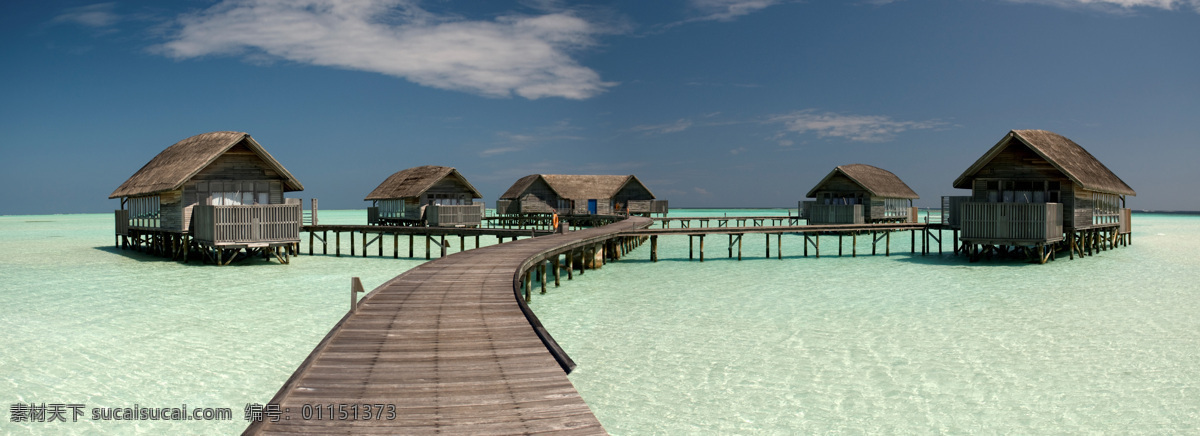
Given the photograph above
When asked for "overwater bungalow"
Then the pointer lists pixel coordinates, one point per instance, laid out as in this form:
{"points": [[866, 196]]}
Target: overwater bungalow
{"points": [[579, 195], [216, 193], [858, 194], [1036, 190], [425, 195]]}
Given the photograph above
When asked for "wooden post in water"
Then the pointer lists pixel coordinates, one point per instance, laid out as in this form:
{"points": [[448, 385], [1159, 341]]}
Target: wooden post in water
{"points": [[840, 244], [542, 275], [355, 287], [378, 240], [352, 243], [557, 268], [337, 245], [571, 264], [887, 248], [702, 247], [768, 245], [427, 238], [528, 286], [654, 248], [410, 245], [443, 246], [310, 243], [779, 246], [690, 247], [854, 244], [324, 242], [395, 245]]}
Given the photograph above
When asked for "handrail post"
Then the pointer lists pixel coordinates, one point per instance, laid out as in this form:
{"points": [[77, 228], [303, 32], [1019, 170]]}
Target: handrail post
{"points": [[355, 287]]}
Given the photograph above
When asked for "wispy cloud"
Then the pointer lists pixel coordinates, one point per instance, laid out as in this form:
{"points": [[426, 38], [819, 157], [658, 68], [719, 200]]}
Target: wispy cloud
{"points": [[727, 10], [498, 150], [737, 151], [701, 191], [99, 15], [527, 56], [863, 128], [659, 129], [1119, 5]]}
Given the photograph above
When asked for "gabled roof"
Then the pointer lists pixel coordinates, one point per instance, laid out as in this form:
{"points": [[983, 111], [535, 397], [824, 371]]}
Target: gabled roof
{"points": [[1064, 154], [878, 181], [413, 182], [173, 167], [576, 186]]}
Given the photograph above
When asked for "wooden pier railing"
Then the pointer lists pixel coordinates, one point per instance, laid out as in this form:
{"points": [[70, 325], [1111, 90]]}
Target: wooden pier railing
{"points": [[224, 225], [1012, 223]]}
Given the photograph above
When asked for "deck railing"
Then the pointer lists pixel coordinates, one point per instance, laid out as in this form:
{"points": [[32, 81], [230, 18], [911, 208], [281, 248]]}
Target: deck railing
{"points": [[1012, 222], [264, 223], [454, 215], [817, 213], [950, 210]]}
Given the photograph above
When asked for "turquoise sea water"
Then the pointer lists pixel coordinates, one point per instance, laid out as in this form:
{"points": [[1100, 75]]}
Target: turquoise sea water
{"points": [[903, 344]]}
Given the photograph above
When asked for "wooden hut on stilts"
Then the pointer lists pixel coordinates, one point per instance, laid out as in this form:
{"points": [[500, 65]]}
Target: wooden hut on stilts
{"points": [[1037, 192], [216, 196], [858, 194], [425, 195], [579, 195]]}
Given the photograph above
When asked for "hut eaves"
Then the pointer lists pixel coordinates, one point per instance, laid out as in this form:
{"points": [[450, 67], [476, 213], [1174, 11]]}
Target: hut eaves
{"points": [[576, 186], [177, 164], [878, 181], [413, 182], [1064, 154]]}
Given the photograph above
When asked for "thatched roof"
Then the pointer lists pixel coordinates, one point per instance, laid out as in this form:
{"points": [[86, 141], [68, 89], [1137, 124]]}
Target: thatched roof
{"points": [[413, 182], [878, 181], [180, 162], [576, 186], [1064, 154]]}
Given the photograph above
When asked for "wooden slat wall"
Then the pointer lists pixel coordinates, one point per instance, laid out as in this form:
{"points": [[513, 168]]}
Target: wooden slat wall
{"points": [[1017, 222], [247, 224]]}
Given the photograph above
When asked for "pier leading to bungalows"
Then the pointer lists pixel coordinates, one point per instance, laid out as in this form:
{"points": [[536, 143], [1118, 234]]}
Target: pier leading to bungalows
{"points": [[449, 347]]}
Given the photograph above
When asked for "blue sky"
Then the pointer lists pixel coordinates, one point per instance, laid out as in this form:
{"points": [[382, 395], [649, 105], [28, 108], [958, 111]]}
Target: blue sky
{"points": [[712, 103]]}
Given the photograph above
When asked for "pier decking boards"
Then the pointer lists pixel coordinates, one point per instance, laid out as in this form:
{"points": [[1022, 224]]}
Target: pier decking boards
{"points": [[450, 345]]}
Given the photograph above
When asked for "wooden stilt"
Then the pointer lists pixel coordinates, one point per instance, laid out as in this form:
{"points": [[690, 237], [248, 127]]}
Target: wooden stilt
{"points": [[654, 248], [337, 247], [557, 268]]}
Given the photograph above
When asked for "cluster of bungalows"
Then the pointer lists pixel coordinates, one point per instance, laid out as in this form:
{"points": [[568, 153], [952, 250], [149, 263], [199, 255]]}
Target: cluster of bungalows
{"points": [[221, 194], [1034, 191], [574, 195]]}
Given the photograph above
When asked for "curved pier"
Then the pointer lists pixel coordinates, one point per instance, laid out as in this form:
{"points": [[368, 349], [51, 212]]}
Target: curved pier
{"points": [[446, 347]]}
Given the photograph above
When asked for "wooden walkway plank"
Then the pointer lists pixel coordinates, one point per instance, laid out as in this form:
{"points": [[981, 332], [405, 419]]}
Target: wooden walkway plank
{"points": [[451, 348]]}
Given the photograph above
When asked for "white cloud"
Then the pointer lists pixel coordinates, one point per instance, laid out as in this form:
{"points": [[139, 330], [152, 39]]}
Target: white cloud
{"points": [[738, 150], [726, 10], [1119, 4], [97, 15], [701, 191], [677, 126], [523, 55], [863, 128]]}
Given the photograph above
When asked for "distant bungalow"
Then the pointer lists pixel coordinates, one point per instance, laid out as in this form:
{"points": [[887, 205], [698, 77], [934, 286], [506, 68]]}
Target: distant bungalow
{"points": [[1036, 189], [218, 193], [858, 194], [579, 195], [425, 195]]}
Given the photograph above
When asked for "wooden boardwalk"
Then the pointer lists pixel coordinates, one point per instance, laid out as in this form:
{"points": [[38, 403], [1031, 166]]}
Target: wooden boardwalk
{"points": [[450, 348]]}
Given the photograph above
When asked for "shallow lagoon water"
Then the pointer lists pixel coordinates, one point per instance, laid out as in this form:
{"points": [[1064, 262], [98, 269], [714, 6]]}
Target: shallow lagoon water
{"points": [[906, 344], [899, 344]]}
